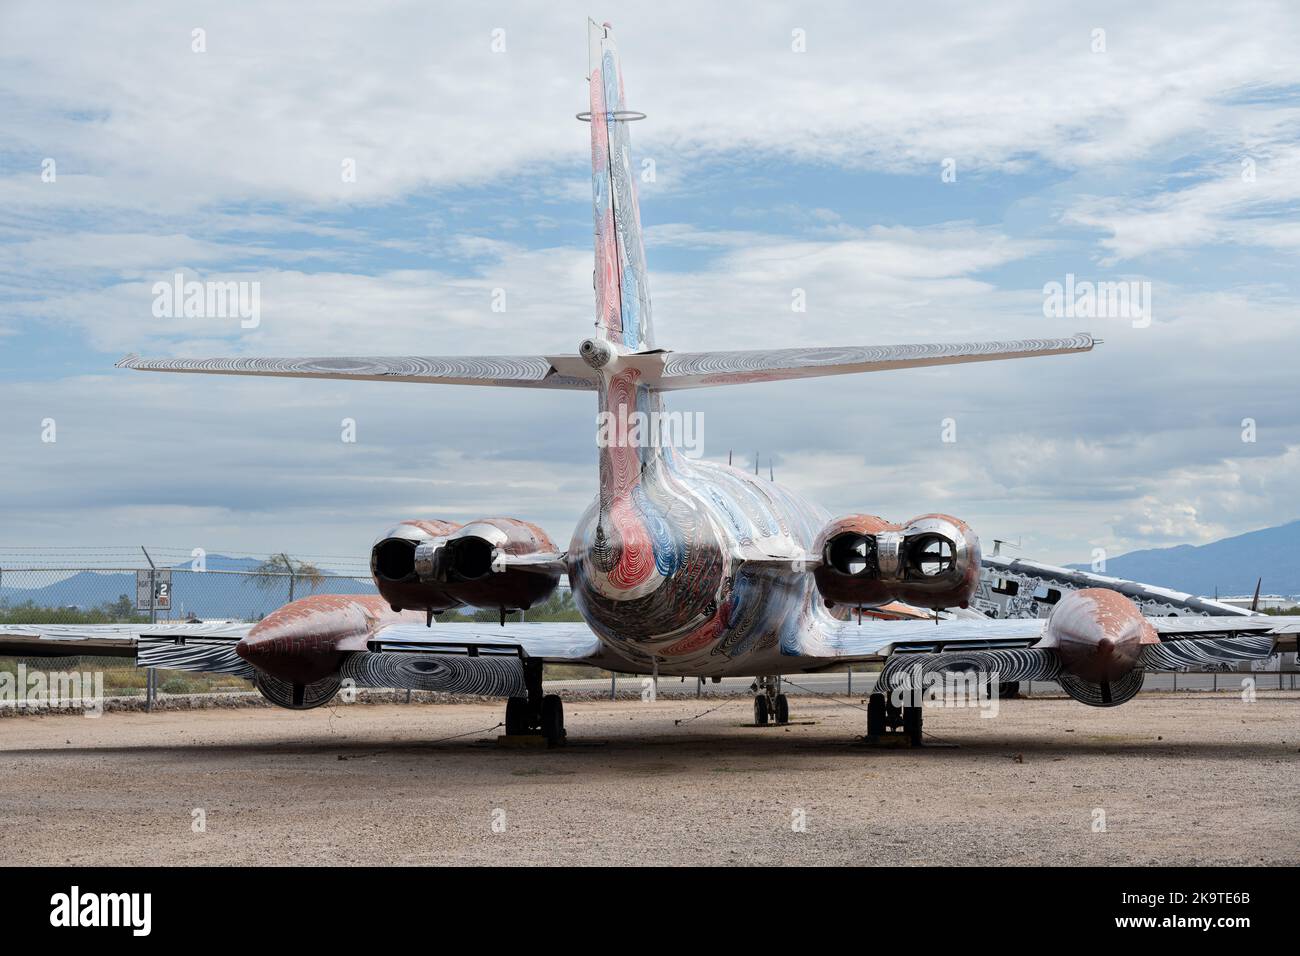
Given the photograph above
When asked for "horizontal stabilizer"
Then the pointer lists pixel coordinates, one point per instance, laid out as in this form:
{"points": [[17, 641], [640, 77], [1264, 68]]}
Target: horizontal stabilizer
{"points": [[702, 369], [513, 371], [660, 369]]}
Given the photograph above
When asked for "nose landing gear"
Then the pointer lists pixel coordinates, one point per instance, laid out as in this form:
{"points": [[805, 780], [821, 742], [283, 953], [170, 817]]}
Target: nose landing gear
{"points": [[769, 704]]}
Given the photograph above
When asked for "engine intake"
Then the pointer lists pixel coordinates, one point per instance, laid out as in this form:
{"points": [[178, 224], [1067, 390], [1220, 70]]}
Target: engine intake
{"points": [[932, 561]]}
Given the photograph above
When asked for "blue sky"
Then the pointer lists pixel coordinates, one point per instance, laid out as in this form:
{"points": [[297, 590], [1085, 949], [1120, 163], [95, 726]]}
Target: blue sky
{"points": [[774, 170]]}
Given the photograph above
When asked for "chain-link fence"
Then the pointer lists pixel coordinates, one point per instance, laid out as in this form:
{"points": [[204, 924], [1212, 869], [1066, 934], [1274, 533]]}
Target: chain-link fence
{"points": [[50, 595], [144, 594], [191, 591]]}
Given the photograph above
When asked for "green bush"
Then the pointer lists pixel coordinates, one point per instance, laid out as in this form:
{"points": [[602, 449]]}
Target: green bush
{"points": [[175, 685]]}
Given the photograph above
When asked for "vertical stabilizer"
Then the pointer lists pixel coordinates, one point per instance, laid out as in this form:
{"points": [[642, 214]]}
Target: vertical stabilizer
{"points": [[622, 295]]}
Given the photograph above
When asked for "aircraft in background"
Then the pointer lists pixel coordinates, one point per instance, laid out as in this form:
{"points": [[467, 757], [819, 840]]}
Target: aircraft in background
{"points": [[680, 566]]}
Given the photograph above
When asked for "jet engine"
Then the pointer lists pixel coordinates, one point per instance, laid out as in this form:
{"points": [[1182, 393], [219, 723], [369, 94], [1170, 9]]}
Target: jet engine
{"points": [[932, 561], [1098, 635], [392, 564], [492, 562]]}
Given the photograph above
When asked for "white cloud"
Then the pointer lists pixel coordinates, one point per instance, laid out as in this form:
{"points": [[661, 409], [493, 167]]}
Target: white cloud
{"points": [[415, 96], [212, 163], [1233, 203]]}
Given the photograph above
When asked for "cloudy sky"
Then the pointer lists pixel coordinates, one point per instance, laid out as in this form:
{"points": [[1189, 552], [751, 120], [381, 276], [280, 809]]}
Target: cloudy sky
{"points": [[799, 146]]}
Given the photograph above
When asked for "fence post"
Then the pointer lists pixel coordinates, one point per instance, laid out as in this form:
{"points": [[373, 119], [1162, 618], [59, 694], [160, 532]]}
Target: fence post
{"points": [[288, 566], [850, 692], [150, 677], [613, 678]]}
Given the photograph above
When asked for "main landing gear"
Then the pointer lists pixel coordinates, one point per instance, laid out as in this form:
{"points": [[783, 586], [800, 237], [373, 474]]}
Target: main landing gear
{"points": [[769, 704], [537, 714], [888, 724]]}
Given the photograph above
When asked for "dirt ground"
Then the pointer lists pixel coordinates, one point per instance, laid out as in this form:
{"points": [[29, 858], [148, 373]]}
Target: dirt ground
{"points": [[1180, 779]]}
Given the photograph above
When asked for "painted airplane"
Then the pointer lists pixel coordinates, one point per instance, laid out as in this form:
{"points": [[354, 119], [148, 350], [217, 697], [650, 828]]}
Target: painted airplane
{"points": [[680, 566]]}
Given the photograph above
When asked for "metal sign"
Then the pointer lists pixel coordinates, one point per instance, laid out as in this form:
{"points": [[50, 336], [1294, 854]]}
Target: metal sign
{"points": [[155, 598]]}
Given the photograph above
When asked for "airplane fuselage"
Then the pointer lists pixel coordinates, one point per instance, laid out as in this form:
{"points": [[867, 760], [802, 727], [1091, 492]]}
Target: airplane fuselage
{"points": [[686, 566]]}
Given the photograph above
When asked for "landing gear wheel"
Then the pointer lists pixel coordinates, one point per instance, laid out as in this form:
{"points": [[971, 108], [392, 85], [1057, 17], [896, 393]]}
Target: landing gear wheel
{"points": [[1009, 690], [912, 725], [760, 710], [876, 715], [516, 716], [893, 717], [782, 709], [553, 720]]}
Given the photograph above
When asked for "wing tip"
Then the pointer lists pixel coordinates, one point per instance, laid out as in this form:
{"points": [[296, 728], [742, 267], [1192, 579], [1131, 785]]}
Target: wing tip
{"points": [[128, 360]]}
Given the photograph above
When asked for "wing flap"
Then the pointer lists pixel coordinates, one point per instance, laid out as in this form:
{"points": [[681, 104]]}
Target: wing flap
{"points": [[450, 670], [1207, 653], [558, 642], [199, 653]]}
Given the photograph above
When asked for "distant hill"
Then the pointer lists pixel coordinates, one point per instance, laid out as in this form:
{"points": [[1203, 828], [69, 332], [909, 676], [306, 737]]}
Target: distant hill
{"points": [[1232, 565], [209, 595]]}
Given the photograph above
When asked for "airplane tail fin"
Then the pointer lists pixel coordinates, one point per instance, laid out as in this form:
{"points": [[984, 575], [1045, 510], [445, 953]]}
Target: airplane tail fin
{"points": [[622, 295], [623, 315]]}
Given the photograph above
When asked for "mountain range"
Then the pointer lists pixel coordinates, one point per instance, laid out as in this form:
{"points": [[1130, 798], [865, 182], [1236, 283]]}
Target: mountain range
{"points": [[209, 594], [1230, 566]]}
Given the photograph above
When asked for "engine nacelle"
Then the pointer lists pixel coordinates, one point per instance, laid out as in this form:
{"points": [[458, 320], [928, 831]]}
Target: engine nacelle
{"points": [[392, 564], [434, 566], [932, 561], [1098, 634]]}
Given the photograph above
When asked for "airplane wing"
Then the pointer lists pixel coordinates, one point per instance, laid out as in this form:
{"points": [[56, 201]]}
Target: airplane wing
{"points": [[209, 647], [876, 640], [516, 371], [551, 641], [1019, 587], [106, 640], [701, 369], [1020, 650]]}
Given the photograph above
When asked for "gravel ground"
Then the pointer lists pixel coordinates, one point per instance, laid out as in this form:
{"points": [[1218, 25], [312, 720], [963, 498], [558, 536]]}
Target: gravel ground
{"points": [[1182, 780]]}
